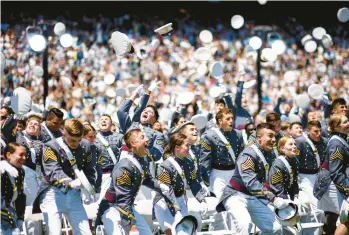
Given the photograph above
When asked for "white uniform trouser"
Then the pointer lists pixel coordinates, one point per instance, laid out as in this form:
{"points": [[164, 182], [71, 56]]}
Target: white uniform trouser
{"points": [[245, 209], [53, 203], [112, 223], [31, 187], [106, 179], [218, 180], [331, 200], [163, 214], [306, 185]]}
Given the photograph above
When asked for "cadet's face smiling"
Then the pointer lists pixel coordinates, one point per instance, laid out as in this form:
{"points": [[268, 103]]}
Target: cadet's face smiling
{"points": [[340, 109], [182, 150], [266, 140], [105, 123], [17, 158], [314, 133], [226, 123], [72, 141], [290, 148], [296, 131], [33, 128], [192, 133]]}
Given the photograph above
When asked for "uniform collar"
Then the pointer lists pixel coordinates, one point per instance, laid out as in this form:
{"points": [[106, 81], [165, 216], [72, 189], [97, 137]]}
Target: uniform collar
{"points": [[344, 136], [146, 125], [179, 159], [262, 150], [106, 133], [225, 132], [30, 136]]}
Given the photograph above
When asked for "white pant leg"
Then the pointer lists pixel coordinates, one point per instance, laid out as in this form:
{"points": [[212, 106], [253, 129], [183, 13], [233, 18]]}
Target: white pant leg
{"points": [[76, 214], [106, 179], [31, 188], [306, 185], [52, 207], [141, 224], [263, 216], [112, 222], [331, 200], [163, 214], [218, 180], [236, 206]]}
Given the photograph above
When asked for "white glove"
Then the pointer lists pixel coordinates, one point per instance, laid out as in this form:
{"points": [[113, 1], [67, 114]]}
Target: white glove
{"points": [[280, 203], [139, 90], [203, 208], [223, 88], [75, 184], [206, 189], [154, 85], [5, 166]]}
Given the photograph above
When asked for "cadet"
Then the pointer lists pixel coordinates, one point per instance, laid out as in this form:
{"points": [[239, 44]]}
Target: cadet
{"points": [[247, 196], [337, 152], [30, 138], [67, 165], [219, 150], [274, 119], [50, 129], [339, 106], [8, 124], [283, 175], [12, 195], [146, 115], [296, 129], [311, 153], [117, 208], [176, 173], [109, 144]]}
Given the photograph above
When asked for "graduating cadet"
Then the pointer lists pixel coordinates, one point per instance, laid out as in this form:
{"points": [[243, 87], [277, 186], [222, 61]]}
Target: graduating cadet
{"points": [[50, 129], [109, 143], [283, 175], [296, 129], [338, 106], [219, 150], [30, 138], [311, 153], [337, 152], [67, 165], [176, 173], [247, 196], [117, 209], [145, 115], [12, 195]]}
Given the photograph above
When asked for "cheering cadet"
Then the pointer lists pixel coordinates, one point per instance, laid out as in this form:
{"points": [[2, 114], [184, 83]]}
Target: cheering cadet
{"points": [[50, 129]]}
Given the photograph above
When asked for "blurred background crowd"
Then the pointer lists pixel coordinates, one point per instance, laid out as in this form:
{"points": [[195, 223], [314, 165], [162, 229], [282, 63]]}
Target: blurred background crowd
{"points": [[80, 71]]}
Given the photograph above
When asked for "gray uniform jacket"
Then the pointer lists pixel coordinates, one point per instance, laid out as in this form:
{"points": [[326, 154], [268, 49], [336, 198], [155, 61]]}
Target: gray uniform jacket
{"points": [[280, 178], [250, 176], [214, 153], [57, 168], [115, 142], [338, 155], [11, 212], [307, 157], [168, 175]]}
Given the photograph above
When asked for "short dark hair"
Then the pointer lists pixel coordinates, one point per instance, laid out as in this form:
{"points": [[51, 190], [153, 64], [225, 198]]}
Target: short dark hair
{"points": [[264, 125], [128, 136], [223, 112], [220, 101], [8, 109], [176, 119], [106, 115], [313, 123], [248, 124], [272, 117], [295, 123], [156, 112], [54, 112], [339, 101], [11, 147]]}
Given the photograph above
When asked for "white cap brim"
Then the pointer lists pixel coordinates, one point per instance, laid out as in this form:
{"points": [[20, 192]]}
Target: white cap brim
{"points": [[316, 91]]}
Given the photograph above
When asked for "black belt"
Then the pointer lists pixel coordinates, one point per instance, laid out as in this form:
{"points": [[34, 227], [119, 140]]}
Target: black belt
{"points": [[222, 167], [308, 171]]}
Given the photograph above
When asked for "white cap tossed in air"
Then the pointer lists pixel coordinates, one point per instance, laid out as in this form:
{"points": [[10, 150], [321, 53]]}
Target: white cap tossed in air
{"points": [[21, 101], [316, 91], [121, 43], [164, 30], [206, 36]]}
